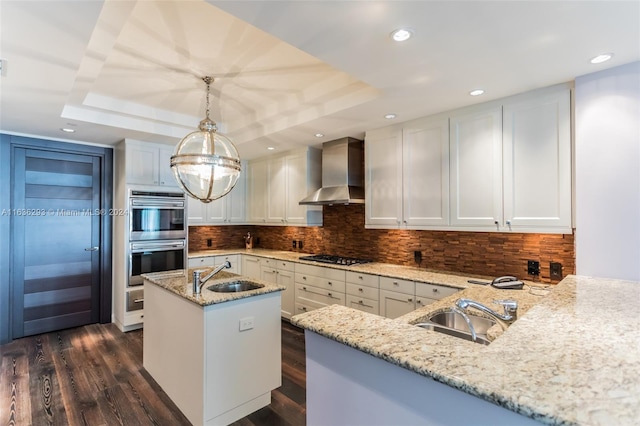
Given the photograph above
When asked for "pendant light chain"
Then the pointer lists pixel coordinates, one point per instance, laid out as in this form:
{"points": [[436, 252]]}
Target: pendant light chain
{"points": [[208, 81]]}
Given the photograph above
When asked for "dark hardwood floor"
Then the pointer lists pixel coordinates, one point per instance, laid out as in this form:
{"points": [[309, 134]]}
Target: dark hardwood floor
{"points": [[93, 375]]}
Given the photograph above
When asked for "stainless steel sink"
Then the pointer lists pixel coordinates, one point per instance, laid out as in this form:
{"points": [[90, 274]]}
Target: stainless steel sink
{"points": [[452, 323], [234, 287]]}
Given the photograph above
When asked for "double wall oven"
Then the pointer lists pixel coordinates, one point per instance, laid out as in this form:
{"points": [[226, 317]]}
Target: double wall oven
{"points": [[157, 233]]}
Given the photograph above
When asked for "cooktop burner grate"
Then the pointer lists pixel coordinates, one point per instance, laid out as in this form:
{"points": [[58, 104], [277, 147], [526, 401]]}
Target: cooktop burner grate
{"points": [[335, 260]]}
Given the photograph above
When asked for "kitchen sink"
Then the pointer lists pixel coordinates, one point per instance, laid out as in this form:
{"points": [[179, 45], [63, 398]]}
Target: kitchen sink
{"points": [[452, 323], [234, 287]]}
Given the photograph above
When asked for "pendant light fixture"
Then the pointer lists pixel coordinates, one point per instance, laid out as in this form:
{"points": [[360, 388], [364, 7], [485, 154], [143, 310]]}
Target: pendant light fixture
{"points": [[206, 164]]}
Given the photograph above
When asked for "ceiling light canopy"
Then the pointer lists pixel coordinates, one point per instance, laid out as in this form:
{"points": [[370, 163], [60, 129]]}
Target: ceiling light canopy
{"points": [[206, 164], [401, 34], [319, 135], [390, 116], [601, 58], [476, 92]]}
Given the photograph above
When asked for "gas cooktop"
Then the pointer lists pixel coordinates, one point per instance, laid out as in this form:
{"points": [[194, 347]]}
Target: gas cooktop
{"points": [[335, 260]]}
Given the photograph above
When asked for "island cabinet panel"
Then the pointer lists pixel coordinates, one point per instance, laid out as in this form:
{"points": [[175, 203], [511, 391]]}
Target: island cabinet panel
{"points": [[365, 390], [204, 358]]}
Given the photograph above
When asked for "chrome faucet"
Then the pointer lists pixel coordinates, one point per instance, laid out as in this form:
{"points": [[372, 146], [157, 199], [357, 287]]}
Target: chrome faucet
{"points": [[510, 310], [199, 282]]}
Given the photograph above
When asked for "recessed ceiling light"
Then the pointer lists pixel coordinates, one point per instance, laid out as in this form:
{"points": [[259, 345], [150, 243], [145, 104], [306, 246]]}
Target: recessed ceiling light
{"points": [[67, 130], [390, 116], [318, 135], [476, 92], [401, 34], [270, 148], [601, 58]]}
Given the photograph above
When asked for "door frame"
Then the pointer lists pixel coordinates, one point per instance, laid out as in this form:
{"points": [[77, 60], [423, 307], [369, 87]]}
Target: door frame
{"points": [[8, 143]]}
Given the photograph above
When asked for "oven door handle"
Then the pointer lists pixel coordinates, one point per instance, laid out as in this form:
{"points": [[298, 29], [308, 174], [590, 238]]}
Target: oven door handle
{"points": [[147, 203]]}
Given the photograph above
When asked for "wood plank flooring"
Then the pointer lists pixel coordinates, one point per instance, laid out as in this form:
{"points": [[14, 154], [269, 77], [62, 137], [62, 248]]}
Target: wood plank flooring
{"points": [[93, 375]]}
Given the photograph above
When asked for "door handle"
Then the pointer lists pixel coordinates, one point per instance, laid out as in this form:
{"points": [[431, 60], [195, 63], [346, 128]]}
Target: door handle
{"points": [[92, 249]]}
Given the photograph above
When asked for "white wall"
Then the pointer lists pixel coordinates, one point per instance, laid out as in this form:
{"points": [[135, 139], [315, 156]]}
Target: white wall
{"points": [[607, 155]]}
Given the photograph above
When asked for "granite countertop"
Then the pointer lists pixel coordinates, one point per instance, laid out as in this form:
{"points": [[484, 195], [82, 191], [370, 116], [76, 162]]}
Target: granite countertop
{"points": [[572, 357], [180, 282], [423, 275]]}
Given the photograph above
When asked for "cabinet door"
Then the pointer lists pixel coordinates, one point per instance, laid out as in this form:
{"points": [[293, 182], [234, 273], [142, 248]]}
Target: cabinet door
{"points": [[251, 267], [268, 274], [233, 259], [196, 211], [476, 167], [165, 174], [383, 177], [257, 191], [236, 200], [425, 168], [394, 305], [285, 278], [296, 181], [363, 304], [277, 181], [537, 161], [217, 210], [142, 164]]}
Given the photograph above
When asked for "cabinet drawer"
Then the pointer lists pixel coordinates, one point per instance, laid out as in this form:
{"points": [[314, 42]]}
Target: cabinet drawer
{"points": [[319, 271], [197, 262], [433, 291], [363, 279], [398, 285], [325, 283], [283, 265], [363, 304], [135, 300], [328, 297], [362, 291]]}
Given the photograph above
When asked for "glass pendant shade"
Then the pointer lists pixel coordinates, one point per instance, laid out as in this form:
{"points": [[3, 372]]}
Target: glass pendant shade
{"points": [[205, 163]]}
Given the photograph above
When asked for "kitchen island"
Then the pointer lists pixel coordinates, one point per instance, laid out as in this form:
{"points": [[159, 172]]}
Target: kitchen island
{"points": [[572, 358], [217, 355]]}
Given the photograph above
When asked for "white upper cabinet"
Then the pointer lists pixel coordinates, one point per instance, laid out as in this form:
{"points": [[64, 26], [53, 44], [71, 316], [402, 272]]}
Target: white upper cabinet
{"points": [[502, 166], [276, 185], [537, 161], [383, 177], [407, 175], [149, 164], [476, 167], [227, 210], [257, 186], [425, 172]]}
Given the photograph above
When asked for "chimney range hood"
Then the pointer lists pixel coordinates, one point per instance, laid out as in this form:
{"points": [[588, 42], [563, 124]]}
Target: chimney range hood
{"points": [[342, 174]]}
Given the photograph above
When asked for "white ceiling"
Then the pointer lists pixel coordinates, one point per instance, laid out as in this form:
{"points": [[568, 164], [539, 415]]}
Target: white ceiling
{"points": [[285, 70]]}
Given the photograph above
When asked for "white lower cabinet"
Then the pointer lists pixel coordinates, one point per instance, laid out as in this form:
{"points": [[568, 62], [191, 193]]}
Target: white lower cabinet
{"points": [[397, 297], [318, 286], [212, 261], [363, 292], [281, 272], [429, 293], [251, 266], [201, 262]]}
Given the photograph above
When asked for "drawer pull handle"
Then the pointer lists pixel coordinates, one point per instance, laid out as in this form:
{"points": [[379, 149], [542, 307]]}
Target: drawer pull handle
{"points": [[329, 294], [360, 276], [304, 278], [419, 302], [142, 316], [435, 290], [330, 283], [395, 283], [409, 300], [138, 300], [361, 302], [304, 288], [360, 289]]}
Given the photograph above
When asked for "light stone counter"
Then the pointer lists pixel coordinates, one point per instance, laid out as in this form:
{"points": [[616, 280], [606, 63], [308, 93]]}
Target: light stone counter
{"points": [[423, 275], [571, 358], [182, 285]]}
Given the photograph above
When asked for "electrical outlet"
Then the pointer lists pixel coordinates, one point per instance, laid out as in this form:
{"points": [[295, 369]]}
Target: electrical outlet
{"points": [[257, 241], [300, 244], [246, 323], [295, 244], [417, 256], [533, 267], [556, 270], [209, 242]]}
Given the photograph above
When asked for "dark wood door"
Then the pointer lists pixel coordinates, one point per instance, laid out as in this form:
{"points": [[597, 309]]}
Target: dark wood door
{"points": [[56, 237]]}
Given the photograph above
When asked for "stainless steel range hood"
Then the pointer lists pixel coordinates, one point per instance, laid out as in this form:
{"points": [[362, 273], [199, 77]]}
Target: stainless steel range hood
{"points": [[342, 174]]}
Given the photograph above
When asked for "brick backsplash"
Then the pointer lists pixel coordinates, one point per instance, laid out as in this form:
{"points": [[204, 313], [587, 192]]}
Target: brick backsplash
{"points": [[344, 234]]}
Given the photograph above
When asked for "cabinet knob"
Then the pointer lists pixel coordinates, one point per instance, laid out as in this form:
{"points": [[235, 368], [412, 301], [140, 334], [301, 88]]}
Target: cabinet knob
{"points": [[161, 183], [509, 222], [395, 283], [410, 300], [329, 282], [435, 290], [359, 289], [404, 221], [361, 302], [360, 276], [495, 222], [329, 294], [304, 278], [304, 288]]}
